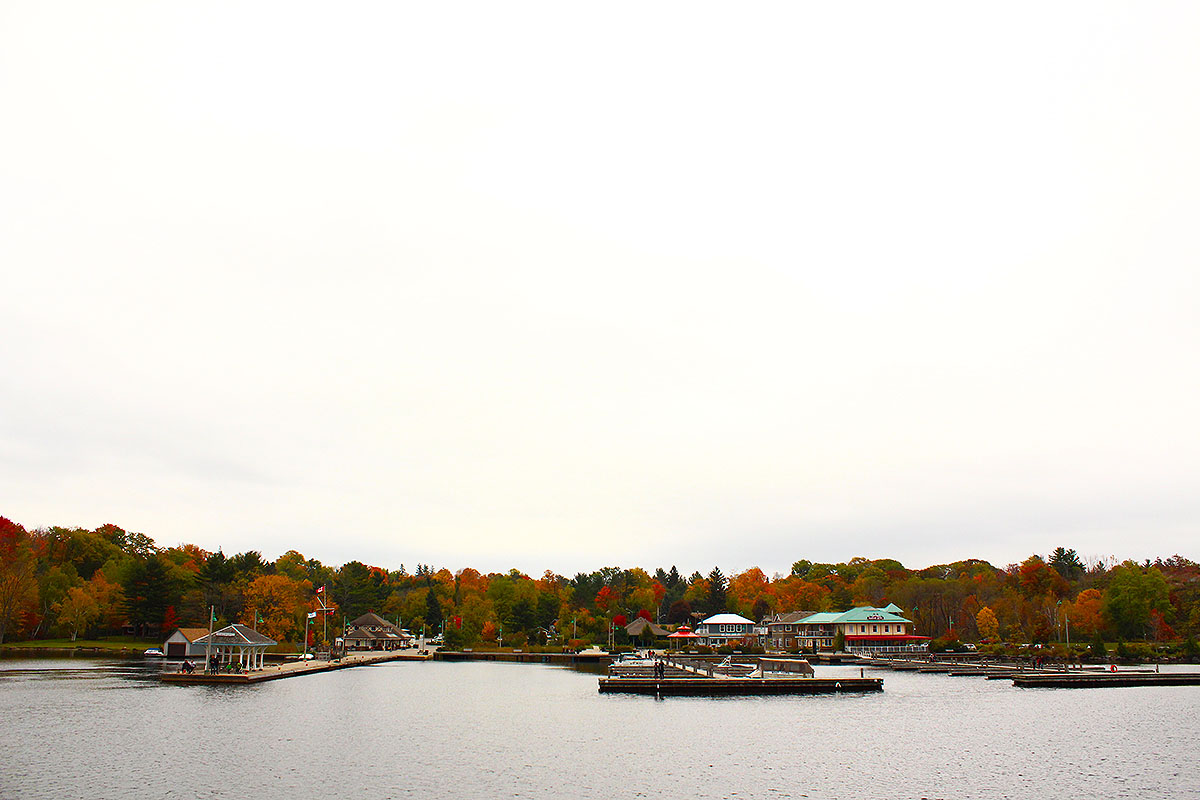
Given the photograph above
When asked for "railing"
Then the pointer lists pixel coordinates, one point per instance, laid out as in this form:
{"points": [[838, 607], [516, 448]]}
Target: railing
{"points": [[904, 648]]}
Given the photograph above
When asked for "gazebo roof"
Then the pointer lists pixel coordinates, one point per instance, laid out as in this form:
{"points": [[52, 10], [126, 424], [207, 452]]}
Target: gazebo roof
{"points": [[640, 624], [236, 635]]}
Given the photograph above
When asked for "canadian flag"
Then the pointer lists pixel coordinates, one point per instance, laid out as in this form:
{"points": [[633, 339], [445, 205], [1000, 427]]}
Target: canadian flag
{"points": [[320, 590]]}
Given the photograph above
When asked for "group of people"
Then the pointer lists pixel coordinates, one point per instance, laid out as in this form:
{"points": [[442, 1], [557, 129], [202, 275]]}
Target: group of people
{"points": [[660, 670]]}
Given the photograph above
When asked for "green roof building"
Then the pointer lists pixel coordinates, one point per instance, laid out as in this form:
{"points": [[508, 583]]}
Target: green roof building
{"points": [[864, 629]]}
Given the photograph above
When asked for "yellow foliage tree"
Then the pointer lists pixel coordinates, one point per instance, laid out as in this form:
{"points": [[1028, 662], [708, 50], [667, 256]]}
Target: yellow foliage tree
{"points": [[77, 610], [989, 626]]}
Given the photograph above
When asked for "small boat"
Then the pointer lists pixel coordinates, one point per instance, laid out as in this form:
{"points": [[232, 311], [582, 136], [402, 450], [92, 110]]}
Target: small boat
{"points": [[154, 652]]}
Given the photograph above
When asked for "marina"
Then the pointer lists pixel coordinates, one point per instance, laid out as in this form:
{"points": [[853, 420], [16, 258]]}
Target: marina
{"points": [[746, 676]]}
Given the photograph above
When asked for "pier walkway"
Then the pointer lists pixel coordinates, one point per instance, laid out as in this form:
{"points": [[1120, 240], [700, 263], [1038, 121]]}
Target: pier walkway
{"points": [[291, 669]]}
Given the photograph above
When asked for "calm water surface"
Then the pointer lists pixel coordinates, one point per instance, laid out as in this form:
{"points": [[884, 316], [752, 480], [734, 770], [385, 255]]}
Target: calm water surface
{"points": [[107, 729]]}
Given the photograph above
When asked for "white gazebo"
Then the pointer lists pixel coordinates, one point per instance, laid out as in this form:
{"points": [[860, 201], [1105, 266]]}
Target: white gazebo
{"points": [[235, 644]]}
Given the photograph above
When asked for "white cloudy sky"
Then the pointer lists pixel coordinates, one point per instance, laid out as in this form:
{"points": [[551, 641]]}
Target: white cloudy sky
{"points": [[558, 286]]}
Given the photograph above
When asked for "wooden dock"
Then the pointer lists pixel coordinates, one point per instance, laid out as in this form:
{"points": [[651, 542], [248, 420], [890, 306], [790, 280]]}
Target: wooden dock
{"points": [[290, 669], [523, 658], [737, 687], [1096, 680]]}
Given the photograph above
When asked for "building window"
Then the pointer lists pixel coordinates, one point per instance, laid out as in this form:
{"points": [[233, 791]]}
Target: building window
{"points": [[874, 629], [862, 628], [885, 628]]}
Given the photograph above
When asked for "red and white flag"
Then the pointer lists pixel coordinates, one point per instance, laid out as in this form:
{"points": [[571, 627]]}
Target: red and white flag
{"points": [[320, 590]]}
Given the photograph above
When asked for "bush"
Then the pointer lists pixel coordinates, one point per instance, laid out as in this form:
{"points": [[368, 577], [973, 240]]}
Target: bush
{"points": [[1191, 650]]}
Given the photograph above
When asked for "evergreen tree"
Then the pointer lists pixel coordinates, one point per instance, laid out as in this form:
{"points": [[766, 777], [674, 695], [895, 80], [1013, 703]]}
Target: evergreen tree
{"points": [[147, 593], [1066, 563], [673, 578], [433, 610], [716, 591]]}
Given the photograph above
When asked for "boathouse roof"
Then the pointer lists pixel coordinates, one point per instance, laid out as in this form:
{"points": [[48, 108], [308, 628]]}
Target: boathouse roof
{"points": [[191, 634]]}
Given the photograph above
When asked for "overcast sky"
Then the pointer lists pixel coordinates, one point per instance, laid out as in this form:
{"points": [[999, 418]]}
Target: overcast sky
{"points": [[552, 286]]}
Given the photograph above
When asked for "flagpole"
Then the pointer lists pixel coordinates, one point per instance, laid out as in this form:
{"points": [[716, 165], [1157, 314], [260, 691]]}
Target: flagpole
{"points": [[304, 658], [212, 613]]}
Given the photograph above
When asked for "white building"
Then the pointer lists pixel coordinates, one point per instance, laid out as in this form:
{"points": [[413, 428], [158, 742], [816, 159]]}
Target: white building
{"points": [[725, 629]]}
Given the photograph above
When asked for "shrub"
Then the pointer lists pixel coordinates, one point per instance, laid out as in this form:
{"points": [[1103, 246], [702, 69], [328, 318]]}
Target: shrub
{"points": [[1191, 650]]}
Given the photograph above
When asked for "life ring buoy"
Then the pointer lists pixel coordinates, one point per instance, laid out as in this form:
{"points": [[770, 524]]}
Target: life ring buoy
{"points": [[1112, 667]]}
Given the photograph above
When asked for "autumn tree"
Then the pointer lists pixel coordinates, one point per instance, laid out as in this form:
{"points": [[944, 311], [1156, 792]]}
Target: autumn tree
{"points": [[750, 594], [985, 620], [280, 602], [18, 577], [1086, 614], [77, 610]]}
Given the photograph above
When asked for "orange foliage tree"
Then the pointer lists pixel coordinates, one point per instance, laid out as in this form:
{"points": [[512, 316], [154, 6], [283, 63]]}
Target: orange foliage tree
{"points": [[280, 602]]}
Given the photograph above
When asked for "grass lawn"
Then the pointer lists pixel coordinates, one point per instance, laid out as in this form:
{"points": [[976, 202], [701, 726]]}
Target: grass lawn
{"points": [[111, 643]]}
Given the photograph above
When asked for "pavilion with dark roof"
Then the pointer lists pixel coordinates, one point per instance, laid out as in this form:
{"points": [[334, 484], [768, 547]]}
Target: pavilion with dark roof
{"points": [[235, 644]]}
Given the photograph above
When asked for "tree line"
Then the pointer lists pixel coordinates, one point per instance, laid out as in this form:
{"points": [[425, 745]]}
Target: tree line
{"points": [[67, 582]]}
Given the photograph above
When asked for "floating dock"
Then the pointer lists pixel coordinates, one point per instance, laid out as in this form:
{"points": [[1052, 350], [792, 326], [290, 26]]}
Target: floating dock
{"points": [[1096, 680], [517, 656], [730, 687], [748, 676]]}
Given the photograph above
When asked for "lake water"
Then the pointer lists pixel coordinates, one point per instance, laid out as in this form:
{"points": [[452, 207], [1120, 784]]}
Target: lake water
{"points": [[74, 728]]}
